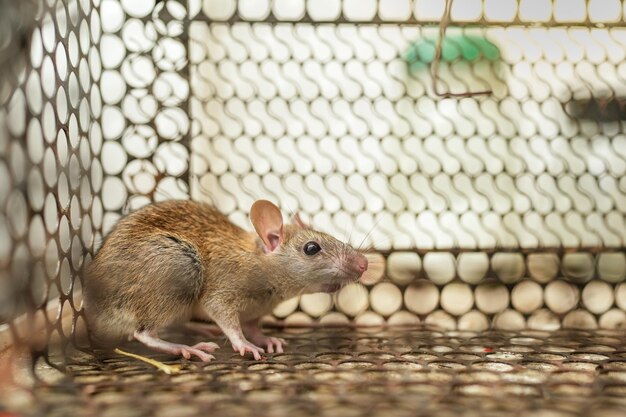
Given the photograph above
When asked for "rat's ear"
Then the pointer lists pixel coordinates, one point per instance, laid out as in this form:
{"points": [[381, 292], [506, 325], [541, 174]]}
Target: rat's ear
{"points": [[297, 220], [268, 223]]}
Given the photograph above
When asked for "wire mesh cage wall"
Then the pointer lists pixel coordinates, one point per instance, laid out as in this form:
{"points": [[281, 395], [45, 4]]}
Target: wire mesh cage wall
{"points": [[505, 210], [51, 212]]}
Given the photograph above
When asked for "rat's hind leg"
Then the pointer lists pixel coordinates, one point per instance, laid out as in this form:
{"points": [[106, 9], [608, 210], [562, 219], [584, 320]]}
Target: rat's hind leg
{"points": [[200, 349], [171, 283]]}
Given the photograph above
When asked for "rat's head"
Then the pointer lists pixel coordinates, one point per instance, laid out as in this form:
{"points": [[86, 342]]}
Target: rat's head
{"points": [[313, 261]]}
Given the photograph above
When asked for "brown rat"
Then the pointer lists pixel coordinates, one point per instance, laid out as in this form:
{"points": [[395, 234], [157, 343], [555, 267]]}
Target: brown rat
{"points": [[171, 261]]}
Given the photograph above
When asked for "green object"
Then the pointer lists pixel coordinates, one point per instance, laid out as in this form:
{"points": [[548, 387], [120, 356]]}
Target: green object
{"points": [[453, 47]]}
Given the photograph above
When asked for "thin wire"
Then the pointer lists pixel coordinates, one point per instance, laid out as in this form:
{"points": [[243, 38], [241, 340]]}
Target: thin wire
{"points": [[434, 66]]}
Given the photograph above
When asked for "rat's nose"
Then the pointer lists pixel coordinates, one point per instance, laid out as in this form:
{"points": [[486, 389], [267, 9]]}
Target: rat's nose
{"points": [[361, 263]]}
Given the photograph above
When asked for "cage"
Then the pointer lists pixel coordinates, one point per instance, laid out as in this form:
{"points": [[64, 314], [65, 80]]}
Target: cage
{"points": [[476, 148]]}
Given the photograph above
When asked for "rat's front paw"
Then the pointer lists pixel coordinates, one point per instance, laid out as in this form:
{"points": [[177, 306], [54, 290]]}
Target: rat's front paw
{"points": [[272, 344], [243, 347]]}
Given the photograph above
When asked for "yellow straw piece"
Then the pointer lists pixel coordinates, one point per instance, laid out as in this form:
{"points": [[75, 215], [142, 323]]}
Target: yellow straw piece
{"points": [[168, 369]]}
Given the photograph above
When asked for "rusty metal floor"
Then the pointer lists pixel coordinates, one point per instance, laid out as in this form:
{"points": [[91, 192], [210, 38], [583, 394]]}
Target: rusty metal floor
{"points": [[344, 372]]}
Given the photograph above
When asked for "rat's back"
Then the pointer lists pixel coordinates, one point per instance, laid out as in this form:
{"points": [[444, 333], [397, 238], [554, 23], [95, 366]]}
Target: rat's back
{"points": [[149, 272]]}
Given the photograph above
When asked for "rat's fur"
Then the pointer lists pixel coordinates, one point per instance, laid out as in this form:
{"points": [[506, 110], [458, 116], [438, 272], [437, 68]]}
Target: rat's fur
{"points": [[168, 261]]}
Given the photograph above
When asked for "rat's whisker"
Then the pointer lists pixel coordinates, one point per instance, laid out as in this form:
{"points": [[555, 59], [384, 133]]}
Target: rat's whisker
{"points": [[368, 233], [374, 262], [385, 239], [373, 247], [349, 233], [293, 213]]}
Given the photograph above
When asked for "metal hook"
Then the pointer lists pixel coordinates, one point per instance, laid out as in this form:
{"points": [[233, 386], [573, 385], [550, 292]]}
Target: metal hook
{"points": [[434, 66]]}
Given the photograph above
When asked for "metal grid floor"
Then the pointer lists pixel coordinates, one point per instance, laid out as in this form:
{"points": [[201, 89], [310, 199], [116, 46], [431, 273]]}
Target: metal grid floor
{"points": [[346, 372]]}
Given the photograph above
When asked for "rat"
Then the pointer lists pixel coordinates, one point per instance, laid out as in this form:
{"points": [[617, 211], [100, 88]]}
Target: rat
{"points": [[172, 261]]}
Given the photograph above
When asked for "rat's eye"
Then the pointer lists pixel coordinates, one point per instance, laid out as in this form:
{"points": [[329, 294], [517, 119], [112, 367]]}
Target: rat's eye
{"points": [[311, 248]]}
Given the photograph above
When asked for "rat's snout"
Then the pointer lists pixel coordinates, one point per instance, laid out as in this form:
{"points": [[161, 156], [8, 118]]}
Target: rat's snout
{"points": [[361, 263], [358, 264]]}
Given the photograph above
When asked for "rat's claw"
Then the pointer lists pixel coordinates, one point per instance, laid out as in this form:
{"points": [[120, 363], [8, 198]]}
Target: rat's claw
{"points": [[244, 347]]}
